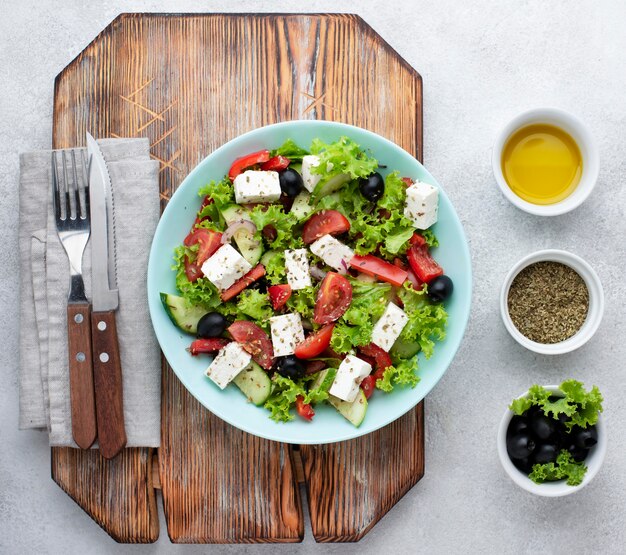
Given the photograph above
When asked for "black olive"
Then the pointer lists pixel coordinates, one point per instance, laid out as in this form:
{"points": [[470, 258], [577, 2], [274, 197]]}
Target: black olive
{"points": [[372, 187], [542, 426], [517, 425], [290, 182], [520, 445], [260, 285], [584, 438], [577, 453], [525, 464], [440, 288], [545, 453], [290, 367], [212, 324]]}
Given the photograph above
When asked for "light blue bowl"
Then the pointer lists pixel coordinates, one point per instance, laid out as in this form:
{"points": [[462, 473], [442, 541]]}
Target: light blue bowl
{"points": [[328, 425]]}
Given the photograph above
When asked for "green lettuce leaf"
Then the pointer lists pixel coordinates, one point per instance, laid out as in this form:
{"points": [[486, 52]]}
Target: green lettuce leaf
{"points": [[284, 393], [274, 262], [402, 373], [289, 149], [223, 193], [255, 305], [286, 236], [303, 302], [201, 292], [564, 468], [344, 156]]}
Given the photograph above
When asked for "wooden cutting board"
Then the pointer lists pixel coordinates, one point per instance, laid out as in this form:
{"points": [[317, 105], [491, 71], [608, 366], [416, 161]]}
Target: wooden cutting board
{"points": [[191, 83]]}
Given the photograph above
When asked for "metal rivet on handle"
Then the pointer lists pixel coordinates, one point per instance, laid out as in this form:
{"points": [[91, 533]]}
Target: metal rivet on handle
{"points": [[78, 318], [102, 325], [80, 357], [104, 357]]}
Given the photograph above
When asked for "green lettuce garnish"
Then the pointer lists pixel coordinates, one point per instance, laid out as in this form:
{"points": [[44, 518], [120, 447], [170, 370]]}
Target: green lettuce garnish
{"points": [[343, 156], [255, 305], [283, 223], [565, 467], [303, 302], [289, 149], [403, 373], [580, 406], [274, 262], [223, 194], [200, 292], [284, 393]]}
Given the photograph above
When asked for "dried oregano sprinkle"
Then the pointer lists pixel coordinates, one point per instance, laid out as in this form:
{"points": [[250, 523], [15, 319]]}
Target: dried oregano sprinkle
{"points": [[548, 302]]}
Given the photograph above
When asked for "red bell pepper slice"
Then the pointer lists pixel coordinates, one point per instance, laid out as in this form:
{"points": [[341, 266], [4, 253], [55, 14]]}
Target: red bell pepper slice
{"points": [[276, 164], [279, 294], [381, 358], [379, 268], [305, 410], [256, 273], [417, 240], [207, 345], [246, 161], [423, 264]]}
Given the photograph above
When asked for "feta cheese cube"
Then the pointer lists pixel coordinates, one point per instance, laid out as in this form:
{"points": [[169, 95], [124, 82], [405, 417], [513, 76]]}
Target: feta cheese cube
{"points": [[225, 267], [349, 376], [287, 332], [333, 252], [230, 360], [257, 186], [421, 204], [389, 327], [309, 162], [297, 266]]}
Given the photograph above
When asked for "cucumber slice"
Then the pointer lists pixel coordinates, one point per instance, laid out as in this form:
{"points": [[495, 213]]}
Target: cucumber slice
{"points": [[404, 349], [324, 379], [355, 411], [183, 316], [250, 248], [296, 166], [254, 383], [331, 185], [301, 206], [268, 255]]}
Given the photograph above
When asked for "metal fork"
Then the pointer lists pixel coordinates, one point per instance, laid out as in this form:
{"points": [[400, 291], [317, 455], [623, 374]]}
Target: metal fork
{"points": [[70, 196]]}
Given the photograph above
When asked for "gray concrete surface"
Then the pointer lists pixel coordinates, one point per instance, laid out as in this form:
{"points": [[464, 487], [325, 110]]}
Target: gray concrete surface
{"points": [[482, 62]]}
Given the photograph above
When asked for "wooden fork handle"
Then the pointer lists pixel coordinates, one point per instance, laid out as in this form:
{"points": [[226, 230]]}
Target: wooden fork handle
{"points": [[107, 372], [81, 374]]}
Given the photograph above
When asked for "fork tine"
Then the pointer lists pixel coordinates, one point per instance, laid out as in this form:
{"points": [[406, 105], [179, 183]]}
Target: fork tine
{"points": [[57, 195], [83, 193], [63, 197], [75, 187], [71, 205]]}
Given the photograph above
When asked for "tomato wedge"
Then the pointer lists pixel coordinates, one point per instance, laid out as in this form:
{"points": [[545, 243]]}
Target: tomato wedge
{"points": [[256, 273], [381, 358], [205, 202], [417, 240], [207, 345], [333, 299], [424, 266], [315, 343], [208, 241], [279, 295], [244, 162], [326, 222], [407, 181], [254, 340], [305, 410], [379, 268], [368, 385], [192, 270], [276, 164]]}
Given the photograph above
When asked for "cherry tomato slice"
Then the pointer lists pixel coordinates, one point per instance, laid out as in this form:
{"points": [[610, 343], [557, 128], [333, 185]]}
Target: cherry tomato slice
{"points": [[276, 164], [279, 294], [417, 240], [254, 340], [246, 161], [253, 275], [192, 270], [208, 240], [333, 299], [424, 266], [315, 343], [368, 385], [326, 222], [381, 358], [407, 181], [305, 410], [207, 345], [379, 268]]}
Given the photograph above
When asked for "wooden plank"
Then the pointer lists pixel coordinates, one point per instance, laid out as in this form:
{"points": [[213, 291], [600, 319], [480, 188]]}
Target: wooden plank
{"points": [[191, 83]]}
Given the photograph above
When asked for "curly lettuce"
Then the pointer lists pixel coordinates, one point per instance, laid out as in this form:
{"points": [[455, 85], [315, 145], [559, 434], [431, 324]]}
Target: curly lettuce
{"points": [[343, 156], [222, 194], [402, 373], [565, 467], [289, 149], [284, 393], [283, 223]]}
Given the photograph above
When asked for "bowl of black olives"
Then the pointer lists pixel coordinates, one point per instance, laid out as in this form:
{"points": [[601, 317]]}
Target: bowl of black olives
{"points": [[552, 439]]}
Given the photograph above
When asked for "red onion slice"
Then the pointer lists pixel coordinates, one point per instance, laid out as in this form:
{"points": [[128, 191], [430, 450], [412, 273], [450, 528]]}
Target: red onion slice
{"points": [[235, 227], [317, 273]]}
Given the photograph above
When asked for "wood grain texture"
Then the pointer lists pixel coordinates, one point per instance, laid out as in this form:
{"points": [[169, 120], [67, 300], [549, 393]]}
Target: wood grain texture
{"points": [[118, 494], [82, 397], [107, 375], [191, 83]]}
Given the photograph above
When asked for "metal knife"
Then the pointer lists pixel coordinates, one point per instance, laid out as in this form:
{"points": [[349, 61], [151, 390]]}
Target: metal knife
{"points": [[107, 369]]}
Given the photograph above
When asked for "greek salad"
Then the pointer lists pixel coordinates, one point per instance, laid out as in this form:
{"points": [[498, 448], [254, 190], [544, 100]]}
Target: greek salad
{"points": [[309, 277]]}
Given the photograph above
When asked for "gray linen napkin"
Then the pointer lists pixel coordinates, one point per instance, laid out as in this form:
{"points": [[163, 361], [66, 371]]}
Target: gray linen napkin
{"points": [[44, 373]]}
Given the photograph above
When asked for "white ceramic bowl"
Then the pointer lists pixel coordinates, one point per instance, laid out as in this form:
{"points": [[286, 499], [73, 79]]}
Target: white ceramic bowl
{"points": [[551, 489], [596, 302], [588, 149]]}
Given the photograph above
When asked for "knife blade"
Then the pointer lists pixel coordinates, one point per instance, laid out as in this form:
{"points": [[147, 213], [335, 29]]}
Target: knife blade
{"points": [[107, 368]]}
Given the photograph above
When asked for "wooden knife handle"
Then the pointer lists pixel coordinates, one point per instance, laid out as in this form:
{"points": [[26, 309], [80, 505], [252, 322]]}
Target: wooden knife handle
{"points": [[81, 374], [107, 372]]}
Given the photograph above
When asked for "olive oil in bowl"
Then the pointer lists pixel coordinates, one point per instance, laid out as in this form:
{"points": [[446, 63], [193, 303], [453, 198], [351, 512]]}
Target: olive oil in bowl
{"points": [[541, 163]]}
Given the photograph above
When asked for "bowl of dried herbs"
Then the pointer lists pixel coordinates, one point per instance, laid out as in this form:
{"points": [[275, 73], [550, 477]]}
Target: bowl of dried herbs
{"points": [[552, 302]]}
